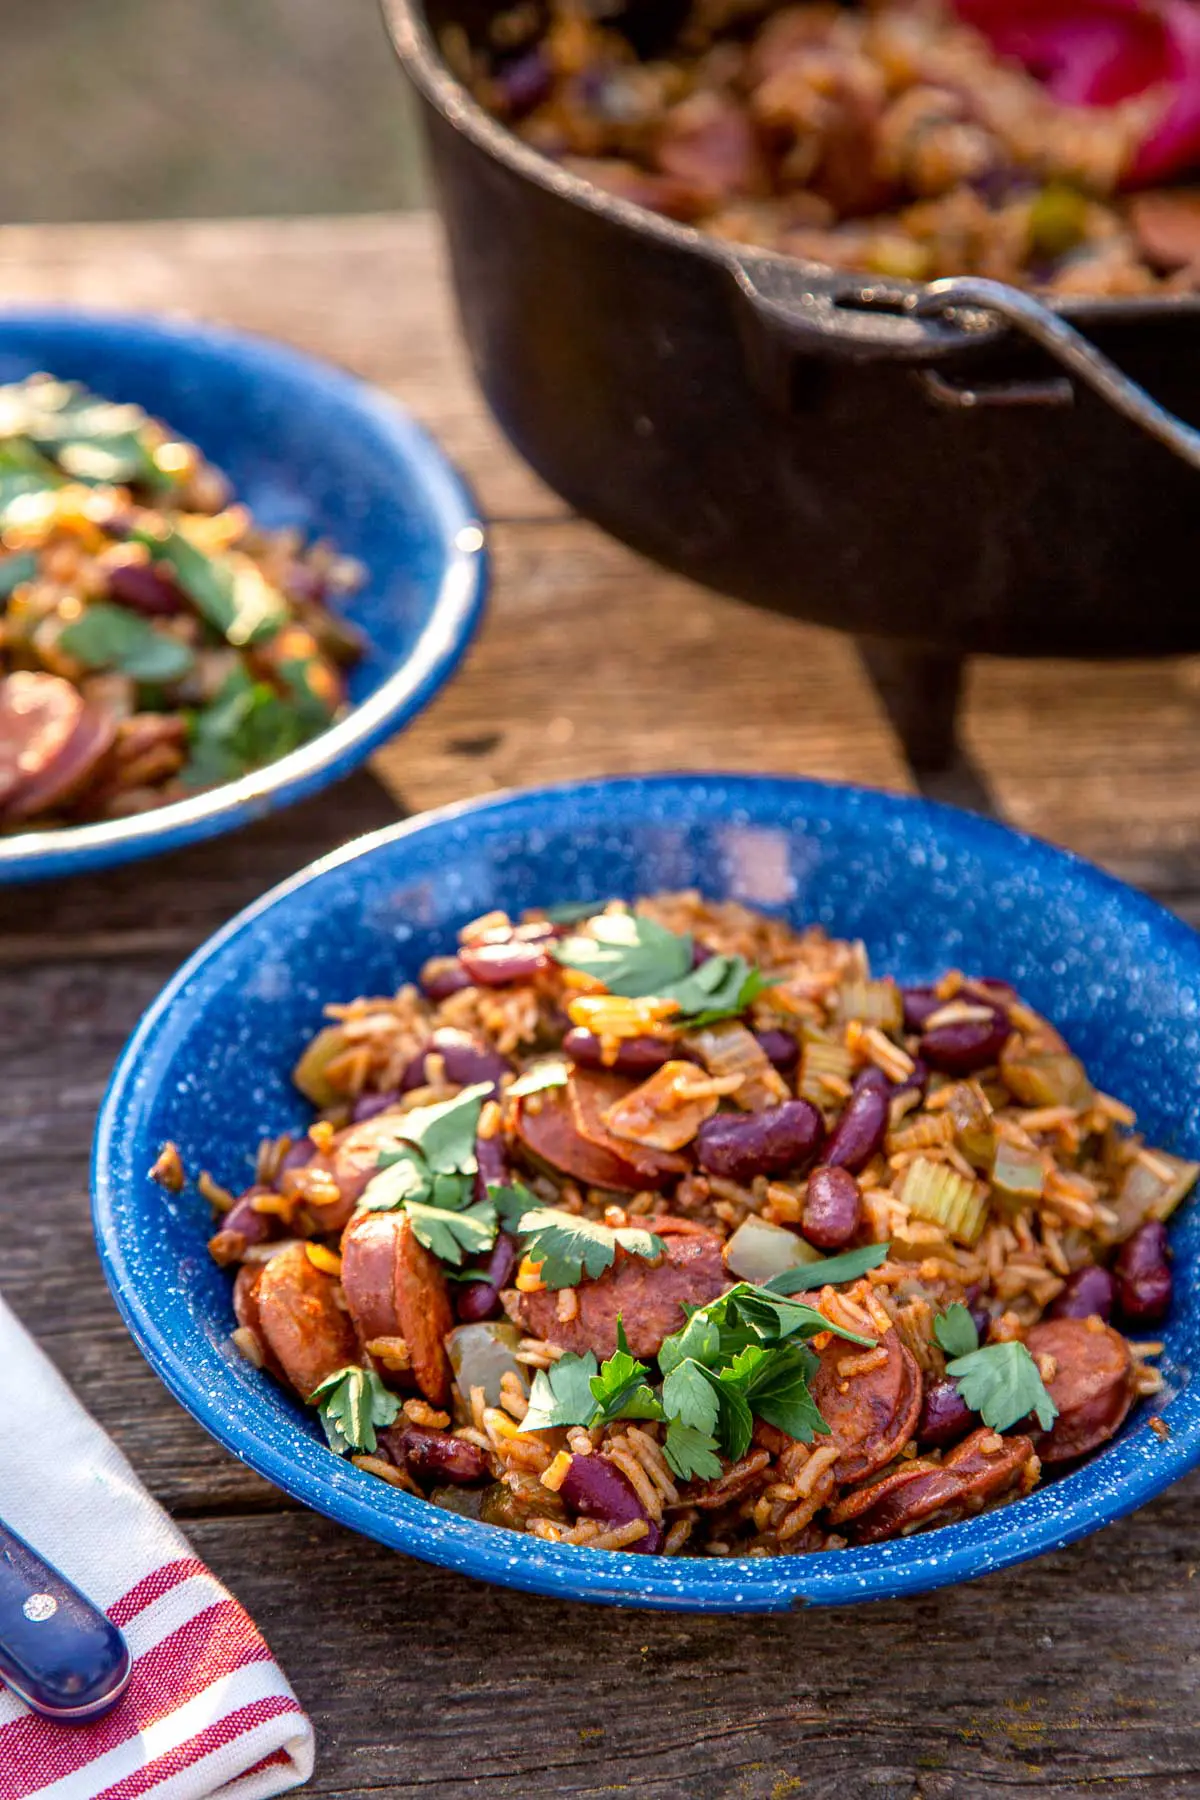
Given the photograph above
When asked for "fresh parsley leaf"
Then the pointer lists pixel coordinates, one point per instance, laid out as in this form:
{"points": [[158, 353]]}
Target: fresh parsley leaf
{"points": [[400, 1179], [700, 1340], [688, 1396], [848, 1265], [112, 637], [352, 1403], [541, 1076], [229, 592], [451, 1234], [445, 1133], [570, 912], [512, 1202], [16, 569], [774, 1318], [736, 1426], [568, 1247], [692, 1454], [721, 988], [777, 1388], [562, 1394], [1002, 1384], [955, 1331], [632, 956], [620, 1388], [92, 440], [246, 726]]}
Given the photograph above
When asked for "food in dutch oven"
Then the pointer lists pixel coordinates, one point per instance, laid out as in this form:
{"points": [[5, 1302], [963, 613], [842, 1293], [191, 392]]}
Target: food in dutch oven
{"points": [[905, 138]]}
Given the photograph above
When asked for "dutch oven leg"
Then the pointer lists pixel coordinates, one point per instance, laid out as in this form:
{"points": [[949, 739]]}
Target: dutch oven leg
{"points": [[921, 690]]}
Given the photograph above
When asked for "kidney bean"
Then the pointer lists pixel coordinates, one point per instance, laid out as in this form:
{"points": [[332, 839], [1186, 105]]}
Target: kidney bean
{"points": [[860, 1131], [832, 1208], [1143, 1273], [253, 1226], [981, 1318], [997, 994], [635, 1056], [920, 1003], [741, 1146], [945, 1415], [443, 976], [369, 1106], [963, 1048], [475, 1300], [492, 1165], [524, 82], [498, 965], [465, 1059], [918, 1080], [780, 1048], [297, 1155], [1089, 1290], [700, 953], [428, 1453], [596, 1489], [146, 589]]}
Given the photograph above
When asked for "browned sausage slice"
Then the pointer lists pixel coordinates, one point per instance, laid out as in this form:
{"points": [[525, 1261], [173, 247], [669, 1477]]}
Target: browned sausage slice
{"points": [[51, 742], [546, 1132], [1167, 227], [302, 1323], [352, 1161], [1091, 1386], [246, 1311], [395, 1288], [649, 1297], [590, 1093], [977, 1471], [871, 1415]]}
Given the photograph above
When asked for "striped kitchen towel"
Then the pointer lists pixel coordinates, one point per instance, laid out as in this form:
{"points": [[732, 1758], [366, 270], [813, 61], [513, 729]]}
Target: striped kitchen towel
{"points": [[207, 1715]]}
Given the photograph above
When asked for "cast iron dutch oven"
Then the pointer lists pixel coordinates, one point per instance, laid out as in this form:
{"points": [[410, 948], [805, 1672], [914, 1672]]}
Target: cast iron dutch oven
{"points": [[949, 469]]}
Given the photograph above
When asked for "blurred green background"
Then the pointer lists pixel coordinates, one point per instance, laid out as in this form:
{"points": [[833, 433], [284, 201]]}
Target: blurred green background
{"points": [[124, 109]]}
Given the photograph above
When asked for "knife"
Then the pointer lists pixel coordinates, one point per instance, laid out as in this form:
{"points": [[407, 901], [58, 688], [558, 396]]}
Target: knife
{"points": [[58, 1652]]}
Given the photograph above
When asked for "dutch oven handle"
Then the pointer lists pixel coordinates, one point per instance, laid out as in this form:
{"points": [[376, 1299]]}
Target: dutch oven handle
{"points": [[969, 294]]}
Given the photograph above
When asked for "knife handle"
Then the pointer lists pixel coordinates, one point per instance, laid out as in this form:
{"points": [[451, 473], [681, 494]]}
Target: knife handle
{"points": [[58, 1652]]}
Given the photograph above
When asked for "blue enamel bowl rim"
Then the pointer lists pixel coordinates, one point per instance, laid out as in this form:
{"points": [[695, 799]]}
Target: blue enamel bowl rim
{"points": [[910, 1565], [448, 629]]}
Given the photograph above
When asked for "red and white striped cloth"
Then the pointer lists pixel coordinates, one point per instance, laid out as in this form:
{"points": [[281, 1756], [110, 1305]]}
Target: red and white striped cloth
{"points": [[208, 1715]]}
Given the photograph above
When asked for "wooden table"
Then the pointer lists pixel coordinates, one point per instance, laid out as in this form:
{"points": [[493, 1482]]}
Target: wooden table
{"points": [[1074, 1675]]}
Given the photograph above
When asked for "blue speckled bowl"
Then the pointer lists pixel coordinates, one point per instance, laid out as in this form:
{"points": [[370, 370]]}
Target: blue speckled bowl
{"points": [[304, 445], [925, 886]]}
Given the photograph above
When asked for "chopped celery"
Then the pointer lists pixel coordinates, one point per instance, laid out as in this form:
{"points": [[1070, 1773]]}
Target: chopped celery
{"points": [[1147, 1194], [1046, 1077], [872, 1002], [973, 1128], [822, 1057], [939, 1194], [757, 1251], [1018, 1175], [309, 1073], [481, 1354]]}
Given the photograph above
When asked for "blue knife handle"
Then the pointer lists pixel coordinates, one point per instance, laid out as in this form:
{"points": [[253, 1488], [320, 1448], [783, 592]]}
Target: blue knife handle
{"points": [[58, 1652]]}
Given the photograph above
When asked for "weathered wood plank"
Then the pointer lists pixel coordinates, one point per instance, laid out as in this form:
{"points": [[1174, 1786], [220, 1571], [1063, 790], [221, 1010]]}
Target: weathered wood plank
{"points": [[1067, 1677]]}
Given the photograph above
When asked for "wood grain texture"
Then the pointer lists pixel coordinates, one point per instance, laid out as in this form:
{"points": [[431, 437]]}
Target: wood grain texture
{"points": [[1074, 1676]]}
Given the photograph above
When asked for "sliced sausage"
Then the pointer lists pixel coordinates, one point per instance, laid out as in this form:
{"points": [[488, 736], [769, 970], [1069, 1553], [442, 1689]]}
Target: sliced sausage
{"points": [[352, 1161], [246, 1311], [1091, 1386], [974, 1473], [1167, 227], [871, 1415], [649, 1297], [546, 1133], [51, 743], [302, 1324], [395, 1288], [590, 1093]]}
